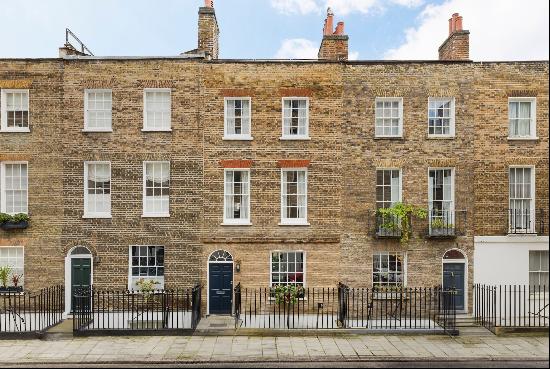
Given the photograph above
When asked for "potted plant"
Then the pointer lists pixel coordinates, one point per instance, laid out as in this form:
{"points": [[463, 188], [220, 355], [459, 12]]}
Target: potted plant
{"points": [[288, 296], [397, 219], [17, 221], [15, 280], [146, 287], [5, 272], [438, 227]]}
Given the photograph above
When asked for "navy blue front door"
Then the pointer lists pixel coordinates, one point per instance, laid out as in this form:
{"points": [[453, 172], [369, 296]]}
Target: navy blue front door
{"points": [[220, 287], [453, 278]]}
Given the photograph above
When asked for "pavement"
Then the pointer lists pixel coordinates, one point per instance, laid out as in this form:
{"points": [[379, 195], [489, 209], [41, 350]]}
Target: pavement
{"points": [[212, 350]]}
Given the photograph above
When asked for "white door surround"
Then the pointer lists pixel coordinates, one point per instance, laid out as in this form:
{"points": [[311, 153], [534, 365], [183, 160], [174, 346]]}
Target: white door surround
{"points": [[77, 252]]}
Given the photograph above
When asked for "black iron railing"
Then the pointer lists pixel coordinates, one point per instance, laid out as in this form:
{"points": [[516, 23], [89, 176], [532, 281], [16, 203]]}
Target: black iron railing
{"points": [[31, 312], [426, 309], [446, 223], [511, 306], [526, 221], [387, 226], [124, 312], [237, 304]]}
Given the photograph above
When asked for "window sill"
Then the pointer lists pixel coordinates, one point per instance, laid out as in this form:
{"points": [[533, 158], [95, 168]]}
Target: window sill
{"points": [[98, 216], [294, 224], [236, 224], [97, 131], [155, 215], [523, 138], [157, 130], [238, 138], [442, 137], [396, 138], [26, 130], [295, 138]]}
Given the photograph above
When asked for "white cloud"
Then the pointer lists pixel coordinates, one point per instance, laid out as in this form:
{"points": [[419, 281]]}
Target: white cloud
{"points": [[500, 30], [340, 7], [297, 48], [354, 55], [295, 6]]}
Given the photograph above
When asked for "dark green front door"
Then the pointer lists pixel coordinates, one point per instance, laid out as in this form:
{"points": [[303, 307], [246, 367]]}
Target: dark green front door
{"points": [[81, 275]]}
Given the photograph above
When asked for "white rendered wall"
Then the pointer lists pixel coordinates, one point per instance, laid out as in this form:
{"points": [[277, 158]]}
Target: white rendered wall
{"points": [[502, 260]]}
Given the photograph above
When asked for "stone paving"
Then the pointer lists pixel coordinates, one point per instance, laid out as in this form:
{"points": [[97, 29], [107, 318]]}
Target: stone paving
{"points": [[242, 348]]}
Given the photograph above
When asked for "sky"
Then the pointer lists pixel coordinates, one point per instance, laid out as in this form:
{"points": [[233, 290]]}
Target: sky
{"points": [[272, 29]]}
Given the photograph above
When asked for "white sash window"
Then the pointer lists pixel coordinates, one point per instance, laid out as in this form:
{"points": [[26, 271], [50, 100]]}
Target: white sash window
{"points": [[294, 196], [522, 210], [156, 189], [522, 118], [14, 110], [98, 110], [146, 263], [14, 188], [295, 118], [441, 197], [97, 190], [237, 118], [237, 197], [157, 109], [389, 117]]}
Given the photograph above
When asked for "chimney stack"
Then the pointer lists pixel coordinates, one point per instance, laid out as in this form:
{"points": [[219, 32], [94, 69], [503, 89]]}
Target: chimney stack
{"points": [[334, 45], [209, 33], [457, 45]]}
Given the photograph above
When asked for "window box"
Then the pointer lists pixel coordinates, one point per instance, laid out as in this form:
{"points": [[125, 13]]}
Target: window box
{"points": [[9, 290], [10, 225]]}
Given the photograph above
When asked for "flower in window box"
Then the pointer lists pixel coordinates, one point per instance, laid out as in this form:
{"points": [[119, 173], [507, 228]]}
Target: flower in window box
{"points": [[17, 221]]}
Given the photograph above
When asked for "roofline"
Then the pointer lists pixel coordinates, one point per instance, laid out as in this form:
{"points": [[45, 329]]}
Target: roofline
{"points": [[200, 57]]}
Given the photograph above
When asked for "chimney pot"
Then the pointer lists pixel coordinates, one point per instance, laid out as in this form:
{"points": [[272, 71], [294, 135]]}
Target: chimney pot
{"points": [[208, 3], [329, 23], [458, 24], [339, 29]]}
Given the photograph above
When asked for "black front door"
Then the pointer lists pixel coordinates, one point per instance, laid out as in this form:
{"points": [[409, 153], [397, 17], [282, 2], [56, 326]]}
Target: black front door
{"points": [[453, 278], [81, 276], [220, 286]]}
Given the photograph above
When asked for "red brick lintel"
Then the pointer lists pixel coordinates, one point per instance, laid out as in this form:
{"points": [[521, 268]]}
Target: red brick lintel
{"points": [[236, 163], [294, 163]]}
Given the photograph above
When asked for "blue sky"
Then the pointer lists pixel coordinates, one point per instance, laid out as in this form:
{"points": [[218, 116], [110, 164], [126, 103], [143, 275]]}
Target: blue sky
{"points": [[378, 29]]}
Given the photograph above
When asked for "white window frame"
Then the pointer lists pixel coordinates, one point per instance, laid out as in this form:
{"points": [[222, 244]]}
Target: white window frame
{"points": [[161, 279], [401, 119], [226, 220], [237, 137], [3, 185], [155, 215], [88, 214], [453, 195], [292, 221], [452, 115], [531, 229], [538, 271], [86, 110], [4, 113], [297, 136], [404, 266], [304, 254], [22, 274], [400, 199], [146, 127], [533, 122]]}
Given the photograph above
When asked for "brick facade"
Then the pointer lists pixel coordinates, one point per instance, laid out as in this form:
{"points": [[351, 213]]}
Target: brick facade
{"points": [[341, 156]]}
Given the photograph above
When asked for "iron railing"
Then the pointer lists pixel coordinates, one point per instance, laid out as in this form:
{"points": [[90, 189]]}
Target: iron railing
{"points": [[446, 223], [387, 226], [511, 306], [31, 312], [132, 312], [425, 309], [525, 221]]}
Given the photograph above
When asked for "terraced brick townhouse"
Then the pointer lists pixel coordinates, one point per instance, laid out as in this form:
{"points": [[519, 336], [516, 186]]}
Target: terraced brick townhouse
{"points": [[192, 168]]}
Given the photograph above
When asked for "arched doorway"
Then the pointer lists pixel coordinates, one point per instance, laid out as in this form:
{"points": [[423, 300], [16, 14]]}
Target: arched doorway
{"points": [[220, 282], [78, 273], [455, 276]]}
